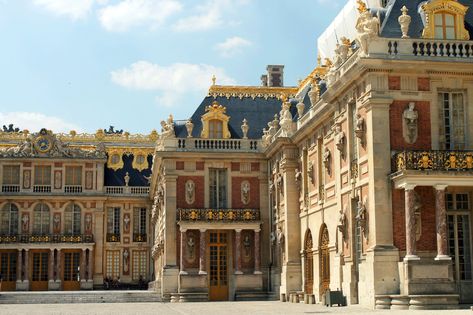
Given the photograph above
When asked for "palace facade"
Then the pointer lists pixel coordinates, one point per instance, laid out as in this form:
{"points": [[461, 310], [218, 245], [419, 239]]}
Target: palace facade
{"points": [[357, 180]]}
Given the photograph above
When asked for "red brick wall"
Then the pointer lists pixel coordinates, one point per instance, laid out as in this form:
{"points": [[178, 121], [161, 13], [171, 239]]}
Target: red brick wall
{"points": [[427, 241], [394, 83], [199, 192], [423, 84], [235, 167], [179, 165], [236, 193], [395, 116], [199, 165], [255, 167]]}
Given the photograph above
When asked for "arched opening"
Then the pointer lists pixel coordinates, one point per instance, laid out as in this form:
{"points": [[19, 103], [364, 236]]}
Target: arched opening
{"points": [[308, 264], [72, 219], [324, 260], [9, 219], [41, 216]]}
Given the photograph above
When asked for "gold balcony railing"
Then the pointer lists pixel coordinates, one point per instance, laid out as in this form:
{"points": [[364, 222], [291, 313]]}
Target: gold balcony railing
{"points": [[433, 160], [218, 215], [46, 238]]}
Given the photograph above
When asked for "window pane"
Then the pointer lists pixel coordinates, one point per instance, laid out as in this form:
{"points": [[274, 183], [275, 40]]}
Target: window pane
{"points": [[42, 175], [438, 19], [11, 175], [449, 33], [449, 20], [438, 32]]}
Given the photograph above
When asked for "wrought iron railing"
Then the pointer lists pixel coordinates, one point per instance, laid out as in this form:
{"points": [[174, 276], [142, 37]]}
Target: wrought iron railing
{"points": [[434, 160], [46, 238], [113, 237], [218, 215], [139, 237]]}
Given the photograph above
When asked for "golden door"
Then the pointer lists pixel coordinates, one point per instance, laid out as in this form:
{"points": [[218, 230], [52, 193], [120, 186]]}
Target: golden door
{"points": [[71, 270], [39, 274], [218, 263]]}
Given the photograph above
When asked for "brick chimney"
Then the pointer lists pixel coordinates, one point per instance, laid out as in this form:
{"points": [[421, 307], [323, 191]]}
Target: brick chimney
{"points": [[275, 75]]}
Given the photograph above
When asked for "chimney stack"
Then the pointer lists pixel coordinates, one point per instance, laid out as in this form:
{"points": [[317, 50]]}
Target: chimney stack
{"points": [[275, 75]]}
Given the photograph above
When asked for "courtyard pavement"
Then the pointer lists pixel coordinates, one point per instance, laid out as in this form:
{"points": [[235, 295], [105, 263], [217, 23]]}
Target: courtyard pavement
{"points": [[220, 308]]}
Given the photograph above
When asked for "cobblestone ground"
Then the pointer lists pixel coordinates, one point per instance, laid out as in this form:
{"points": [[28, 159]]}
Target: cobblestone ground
{"points": [[222, 308]]}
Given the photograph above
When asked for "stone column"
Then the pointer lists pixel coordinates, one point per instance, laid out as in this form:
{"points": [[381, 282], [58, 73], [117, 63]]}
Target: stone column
{"points": [[411, 253], [26, 266], [441, 222], [202, 249], [257, 253], [90, 264], [183, 250], [19, 272], [51, 265], [238, 252], [59, 265], [83, 264]]}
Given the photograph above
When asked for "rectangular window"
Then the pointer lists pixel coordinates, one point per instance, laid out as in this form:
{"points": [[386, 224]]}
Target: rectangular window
{"points": [[74, 175], [113, 221], [42, 175], [218, 188], [452, 120], [113, 264], [215, 129], [139, 265], [139, 221], [11, 175]]}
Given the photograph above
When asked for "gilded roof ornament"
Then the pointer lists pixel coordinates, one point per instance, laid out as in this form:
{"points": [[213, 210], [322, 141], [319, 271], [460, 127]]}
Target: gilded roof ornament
{"points": [[214, 79], [253, 92], [361, 6]]}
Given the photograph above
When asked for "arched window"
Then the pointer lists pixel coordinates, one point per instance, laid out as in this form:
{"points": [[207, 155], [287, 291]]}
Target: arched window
{"points": [[215, 129], [72, 218], [41, 219], [444, 25], [9, 219]]}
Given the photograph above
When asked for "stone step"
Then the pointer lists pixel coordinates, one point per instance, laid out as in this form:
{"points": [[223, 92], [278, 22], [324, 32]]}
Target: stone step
{"points": [[189, 297], [59, 297], [256, 296]]}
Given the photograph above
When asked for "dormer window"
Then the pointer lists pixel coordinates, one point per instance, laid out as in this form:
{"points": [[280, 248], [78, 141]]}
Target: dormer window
{"points": [[444, 25], [215, 122], [444, 19]]}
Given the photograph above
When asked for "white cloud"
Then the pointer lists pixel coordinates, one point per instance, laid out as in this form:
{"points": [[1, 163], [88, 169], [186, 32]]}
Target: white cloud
{"points": [[173, 81], [35, 121], [129, 13], [232, 46], [74, 9], [208, 15]]}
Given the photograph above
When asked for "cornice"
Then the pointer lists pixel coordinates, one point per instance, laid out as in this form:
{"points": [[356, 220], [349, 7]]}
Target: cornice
{"points": [[251, 91]]}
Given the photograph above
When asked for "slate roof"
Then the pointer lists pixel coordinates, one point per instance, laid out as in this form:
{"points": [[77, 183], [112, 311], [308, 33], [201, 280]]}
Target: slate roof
{"points": [[116, 178], [390, 26], [258, 112]]}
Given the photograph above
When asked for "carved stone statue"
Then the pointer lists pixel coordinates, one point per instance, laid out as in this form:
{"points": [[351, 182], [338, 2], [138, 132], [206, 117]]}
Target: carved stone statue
{"points": [[245, 128], [404, 21], [10, 128], [410, 129], [327, 156], [189, 128], [361, 216], [126, 178], [245, 192], [300, 108], [167, 128], [314, 93], [342, 223], [310, 172], [247, 246], [190, 192], [285, 119], [126, 264], [340, 140], [367, 27], [298, 177], [190, 248], [360, 128]]}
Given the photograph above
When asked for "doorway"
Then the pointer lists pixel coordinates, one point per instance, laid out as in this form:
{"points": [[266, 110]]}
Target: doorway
{"points": [[218, 263], [8, 270], [309, 264], [324, 261], [39, 275], [71, 270]]}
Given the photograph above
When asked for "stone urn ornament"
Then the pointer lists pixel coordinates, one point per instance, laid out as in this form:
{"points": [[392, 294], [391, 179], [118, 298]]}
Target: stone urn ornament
{"points": [[189, 127], [300, 107], [404, 21], [245, 128]]}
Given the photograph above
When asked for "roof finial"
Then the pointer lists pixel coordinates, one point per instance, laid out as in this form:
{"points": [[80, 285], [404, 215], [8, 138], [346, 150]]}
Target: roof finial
{"points": [[214, 79], [361, 6], [319, 60]]}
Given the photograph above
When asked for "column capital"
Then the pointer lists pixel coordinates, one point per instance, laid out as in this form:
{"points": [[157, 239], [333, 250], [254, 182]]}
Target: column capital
{"points": [[203, 230], [440, 186], [257, 230], [238, 230], [183, 229], [409, 186]]}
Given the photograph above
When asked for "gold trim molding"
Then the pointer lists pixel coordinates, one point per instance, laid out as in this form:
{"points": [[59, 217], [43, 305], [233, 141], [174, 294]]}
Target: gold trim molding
{"points": [[115, 157], [251, 91]]}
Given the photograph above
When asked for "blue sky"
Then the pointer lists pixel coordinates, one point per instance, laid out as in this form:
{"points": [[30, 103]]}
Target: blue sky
{"points": [[88, 64]]}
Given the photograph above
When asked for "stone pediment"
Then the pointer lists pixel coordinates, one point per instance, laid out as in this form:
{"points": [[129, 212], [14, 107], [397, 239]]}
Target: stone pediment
{"points": [[45, 144]]}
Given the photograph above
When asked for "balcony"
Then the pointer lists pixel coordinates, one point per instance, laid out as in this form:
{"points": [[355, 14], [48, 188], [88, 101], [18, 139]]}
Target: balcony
{"points": [[218, 215], [113, 237], [10, 188], [433, 160], [73, 189], [127, 190], [42, 188], [213, 145], [139, 237], [46, 238]]}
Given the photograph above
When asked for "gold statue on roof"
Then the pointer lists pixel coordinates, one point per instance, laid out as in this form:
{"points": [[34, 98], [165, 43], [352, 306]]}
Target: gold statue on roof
{"points": [[361, 6]]}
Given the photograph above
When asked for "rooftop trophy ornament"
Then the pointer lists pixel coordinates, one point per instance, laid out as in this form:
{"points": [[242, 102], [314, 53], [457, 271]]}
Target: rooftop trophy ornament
{"points": [[360, 128], [300, 107], [167, 128], [10, 128], [189, 127], [111, 131], [404, 21], [285, 117], [367, 27], [410, 123], [341, 52], [314, 93], [340, 140], [245, 128]]}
